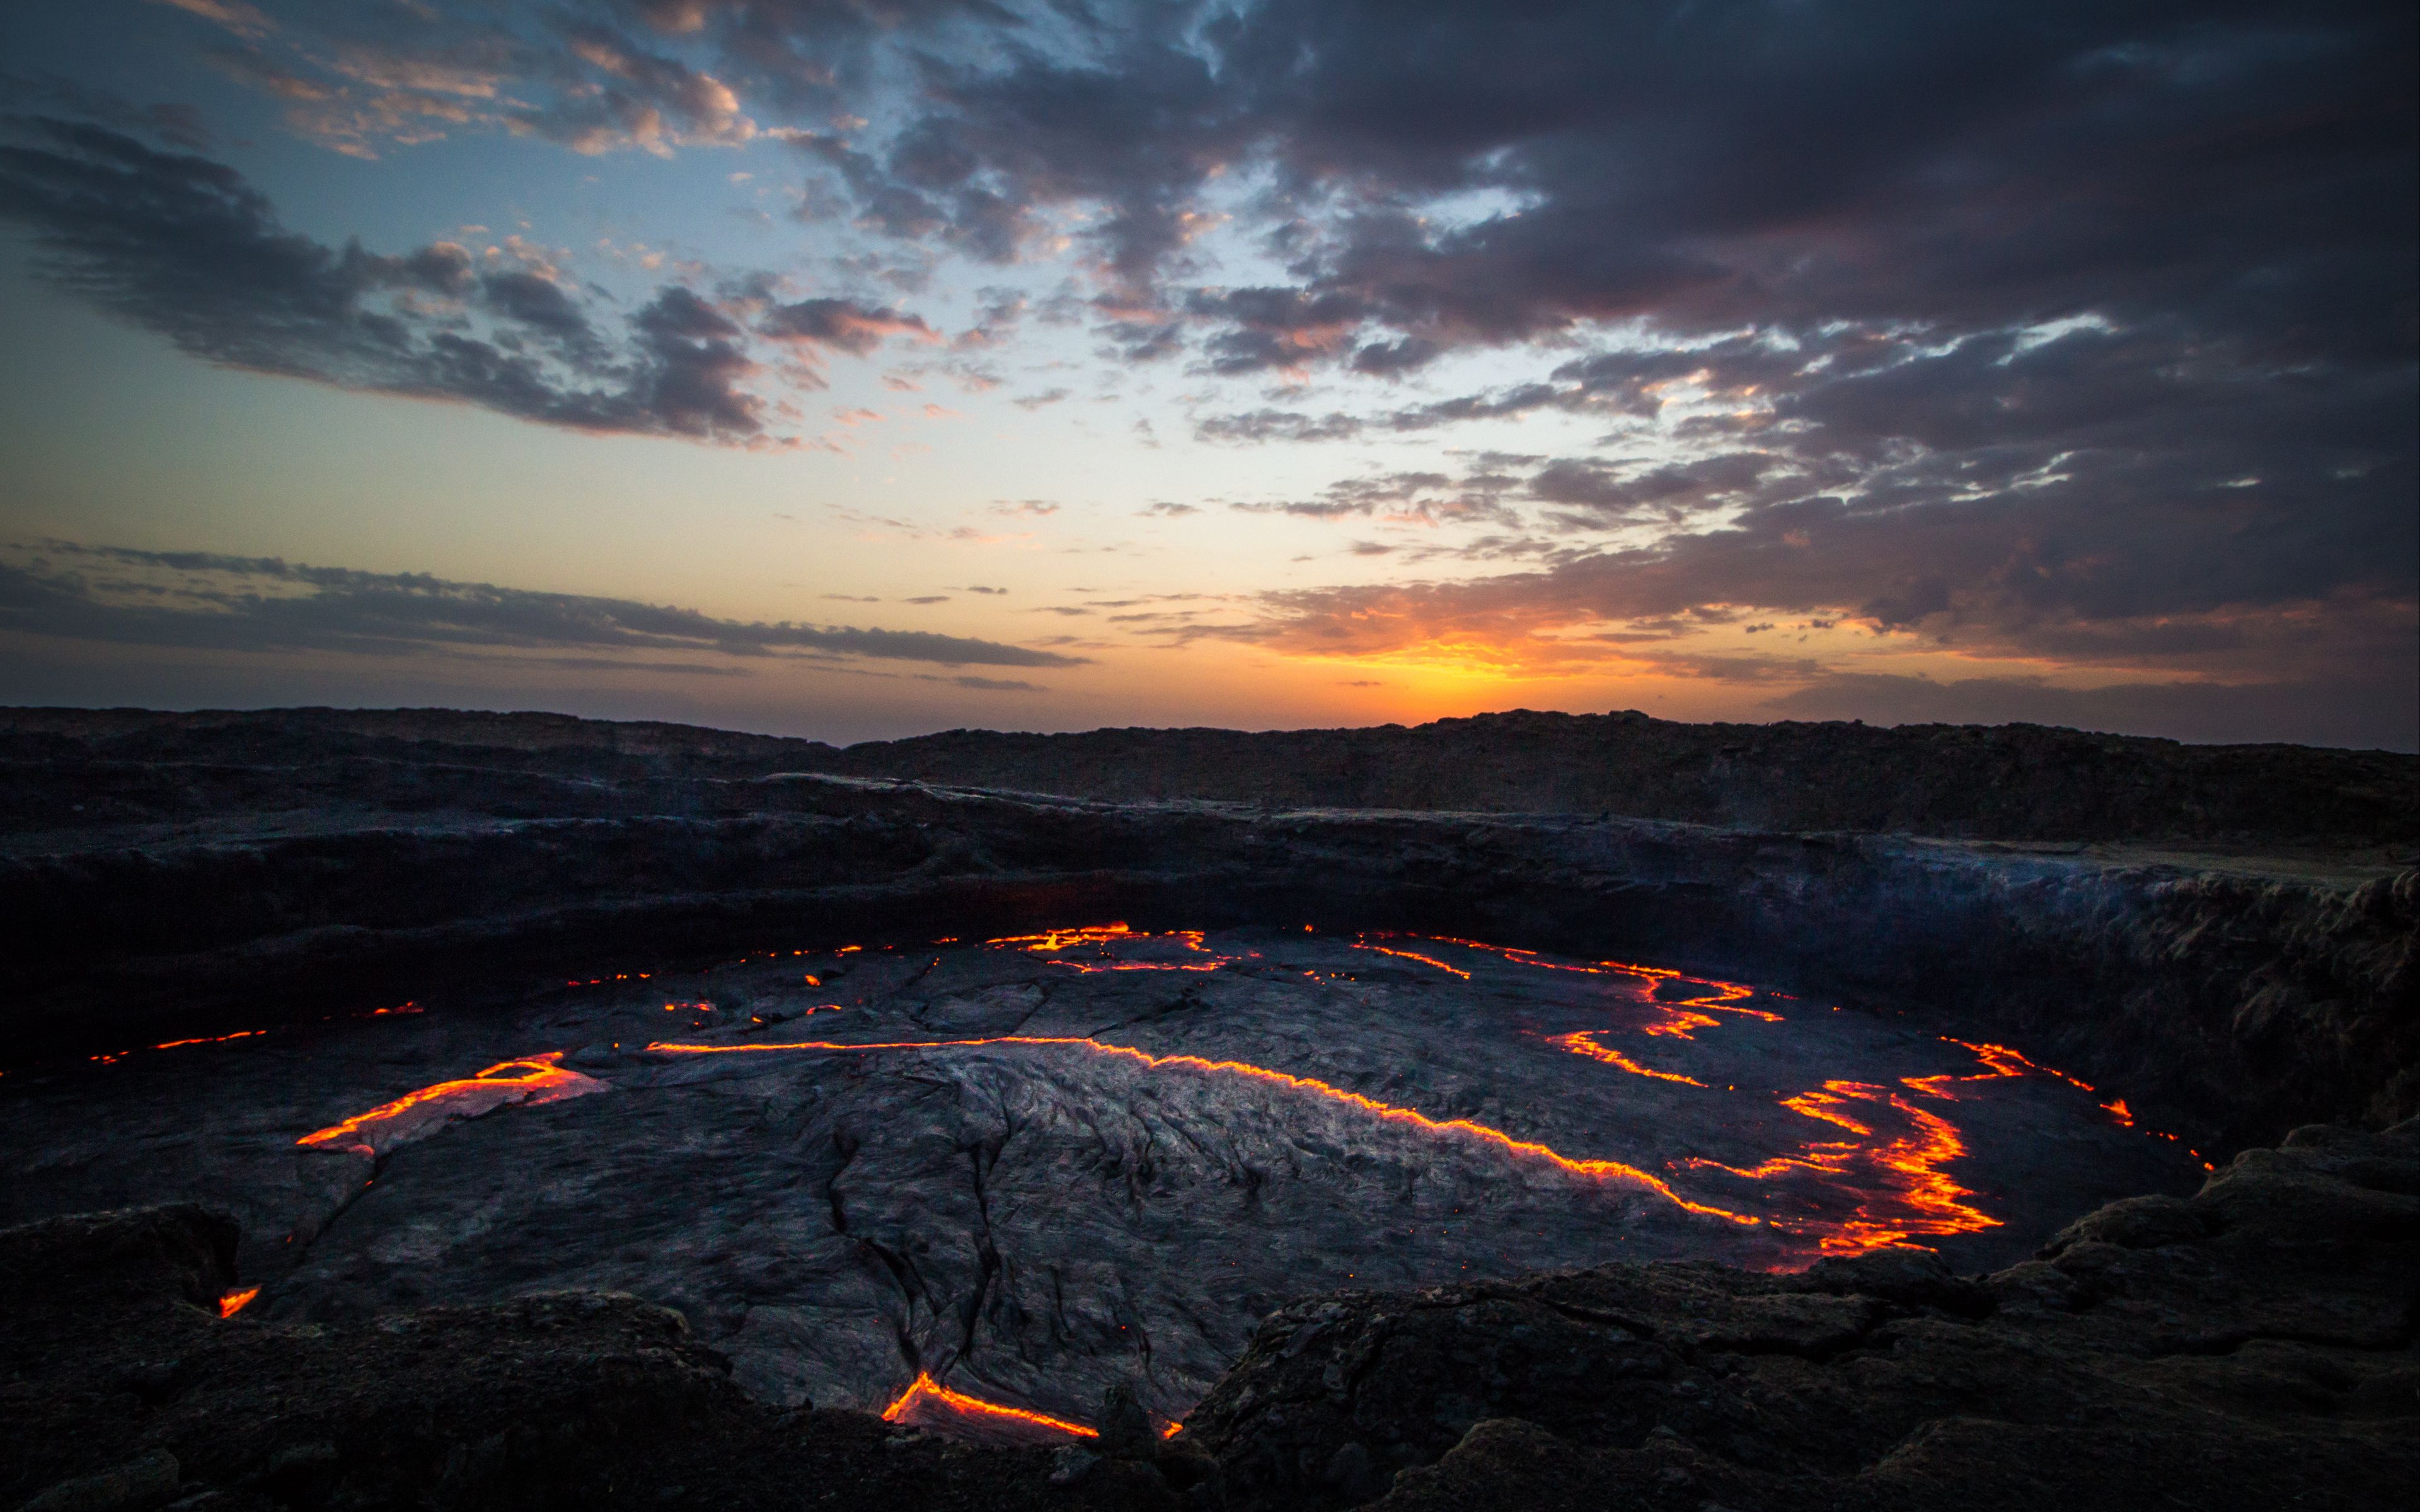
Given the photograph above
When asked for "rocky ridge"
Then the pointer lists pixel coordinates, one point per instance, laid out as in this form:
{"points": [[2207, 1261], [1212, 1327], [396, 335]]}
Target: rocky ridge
{"points": [[2005, 783]]}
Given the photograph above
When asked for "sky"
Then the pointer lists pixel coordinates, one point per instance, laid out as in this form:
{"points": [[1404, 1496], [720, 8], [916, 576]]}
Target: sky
{"points": [[860, 368]]}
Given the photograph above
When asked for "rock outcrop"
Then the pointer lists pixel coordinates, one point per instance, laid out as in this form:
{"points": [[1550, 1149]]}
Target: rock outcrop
{"points": [[124, 1389], [2251, 1345]]}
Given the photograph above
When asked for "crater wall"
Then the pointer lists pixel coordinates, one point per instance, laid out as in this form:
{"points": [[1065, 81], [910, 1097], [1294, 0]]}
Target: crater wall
{"points": [[2236, 1000]]}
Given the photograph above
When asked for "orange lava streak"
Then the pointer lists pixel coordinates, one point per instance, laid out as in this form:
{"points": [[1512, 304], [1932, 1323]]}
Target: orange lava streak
{"points": [[1407, 955], [213, 1039], [1598, 1169], [2007, 1062], [1820, 1105], [1579, 1043], [539, 1079], [233, 1303], [1718, 994], [925, 1388], [1060, 939], [1910, 1166], [1678, 1024]]}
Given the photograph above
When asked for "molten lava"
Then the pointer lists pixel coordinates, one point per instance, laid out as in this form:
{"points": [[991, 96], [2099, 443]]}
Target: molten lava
{"points": [[925, 1395], [1603, 1170], [532, 1079], [1580, 1043], [233, 1303], [1903, 1193], [1408, 955], [1101, 936]]}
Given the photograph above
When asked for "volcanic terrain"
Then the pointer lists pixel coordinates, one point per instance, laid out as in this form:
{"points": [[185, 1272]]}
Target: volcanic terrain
{"points": [[1312, 1120]]}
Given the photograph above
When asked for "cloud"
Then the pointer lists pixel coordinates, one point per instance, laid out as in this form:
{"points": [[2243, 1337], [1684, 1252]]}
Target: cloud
{"points": [[200, 600], [631, 97], [184, 247], [2328, 711], [1408, 497], [841, 325], [244, 19], [1281, 329], [2070, 333], [174, 124]]}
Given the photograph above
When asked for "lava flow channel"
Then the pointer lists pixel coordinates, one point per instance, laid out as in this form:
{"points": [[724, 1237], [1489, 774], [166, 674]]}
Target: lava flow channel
{"points": [[414, 1116], [1101, 936], [1897, 1180], [1602, 1170], [926, 1400]]}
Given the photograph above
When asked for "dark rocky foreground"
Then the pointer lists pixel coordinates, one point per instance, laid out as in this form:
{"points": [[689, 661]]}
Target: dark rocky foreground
{"points": [[2227, 937], [2250, 1346]]}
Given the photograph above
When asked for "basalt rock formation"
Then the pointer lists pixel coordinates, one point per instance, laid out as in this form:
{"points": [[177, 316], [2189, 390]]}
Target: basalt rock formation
{"points": [[2250, 1346]]}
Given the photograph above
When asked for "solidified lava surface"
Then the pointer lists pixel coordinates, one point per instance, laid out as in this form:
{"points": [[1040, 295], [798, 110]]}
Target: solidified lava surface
{"points": [[979, 1182]]}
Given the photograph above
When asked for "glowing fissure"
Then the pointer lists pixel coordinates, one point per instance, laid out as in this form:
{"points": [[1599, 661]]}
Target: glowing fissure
{"points": [[234, 1301], [925, 1393], [1408, 955], [1906, 1168], [530, 1080], [1101, 936], [1905, 1195], [1581, 1042], [1603, 1170], [115, 1057], [1999, 1056]]}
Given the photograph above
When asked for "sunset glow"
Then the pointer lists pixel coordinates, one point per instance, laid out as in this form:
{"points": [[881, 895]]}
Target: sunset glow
{"points": [[859, 372]]}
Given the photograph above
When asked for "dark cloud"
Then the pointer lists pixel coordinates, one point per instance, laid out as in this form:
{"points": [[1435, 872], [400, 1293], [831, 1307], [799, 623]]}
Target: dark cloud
{"points": [[842, 325], [1278, 426], [184, 247], [1698, 165], [200, 600], [1596, 492], [2328, 711], [171, 123], [2081, 333], [2249, 583], [1273, 327]]}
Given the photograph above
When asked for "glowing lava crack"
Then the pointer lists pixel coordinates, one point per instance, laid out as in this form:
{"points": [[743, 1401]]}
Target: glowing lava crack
{"points": [[414, 1116], [1606, 1170]]}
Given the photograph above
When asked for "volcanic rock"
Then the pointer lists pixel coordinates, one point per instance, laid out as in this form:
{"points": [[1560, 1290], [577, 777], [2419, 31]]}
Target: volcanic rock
{"points": [[2253, 1346]]}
